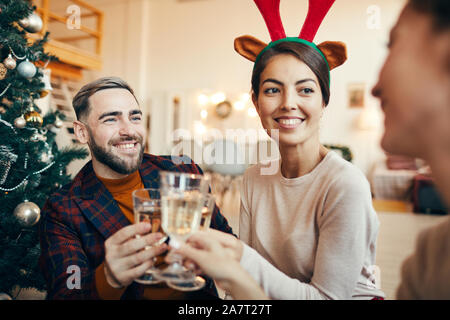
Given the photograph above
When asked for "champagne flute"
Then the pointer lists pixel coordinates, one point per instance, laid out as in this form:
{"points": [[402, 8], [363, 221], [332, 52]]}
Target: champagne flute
{"points": [[181, 204], [199, 282], [147, 207]]}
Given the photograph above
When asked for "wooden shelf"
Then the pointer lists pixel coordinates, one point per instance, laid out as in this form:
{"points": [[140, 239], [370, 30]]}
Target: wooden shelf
{"points": [[74, 56], [72, 60], [66, 71]]}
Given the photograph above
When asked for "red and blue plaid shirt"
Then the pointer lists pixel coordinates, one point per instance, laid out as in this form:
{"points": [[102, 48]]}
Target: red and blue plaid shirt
{"points": [[78, 219]]}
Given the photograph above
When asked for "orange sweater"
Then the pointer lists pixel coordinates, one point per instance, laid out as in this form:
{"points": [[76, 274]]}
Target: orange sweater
{"points": [[121, 190]]}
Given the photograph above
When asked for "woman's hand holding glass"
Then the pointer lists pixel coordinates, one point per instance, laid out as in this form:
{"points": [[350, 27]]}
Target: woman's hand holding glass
{"points": [[217, 254]]}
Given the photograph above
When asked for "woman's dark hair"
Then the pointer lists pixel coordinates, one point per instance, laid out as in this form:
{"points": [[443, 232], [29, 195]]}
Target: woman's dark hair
{"points": [[438, 9], [304, 53]]}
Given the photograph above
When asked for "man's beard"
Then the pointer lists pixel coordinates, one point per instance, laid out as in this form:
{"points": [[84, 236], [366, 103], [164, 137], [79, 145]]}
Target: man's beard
{"points": [[113, 161]]}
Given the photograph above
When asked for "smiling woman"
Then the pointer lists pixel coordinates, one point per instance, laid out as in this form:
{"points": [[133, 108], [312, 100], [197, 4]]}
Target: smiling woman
{"points": [[304, 217], [309, 227]]}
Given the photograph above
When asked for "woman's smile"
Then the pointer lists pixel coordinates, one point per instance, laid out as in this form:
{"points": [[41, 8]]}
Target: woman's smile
{"points": [[289, 122]]}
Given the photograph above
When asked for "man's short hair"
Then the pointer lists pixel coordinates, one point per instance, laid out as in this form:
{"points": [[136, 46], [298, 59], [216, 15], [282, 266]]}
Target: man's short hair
{"points": [[80, 102]]}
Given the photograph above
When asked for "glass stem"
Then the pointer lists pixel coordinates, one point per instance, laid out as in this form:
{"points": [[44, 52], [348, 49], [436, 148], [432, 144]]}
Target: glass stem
{"points": [[177, 260]]}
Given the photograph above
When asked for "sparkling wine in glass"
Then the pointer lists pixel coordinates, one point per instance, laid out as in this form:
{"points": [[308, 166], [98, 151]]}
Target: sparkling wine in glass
{"points": [[147, 208]]}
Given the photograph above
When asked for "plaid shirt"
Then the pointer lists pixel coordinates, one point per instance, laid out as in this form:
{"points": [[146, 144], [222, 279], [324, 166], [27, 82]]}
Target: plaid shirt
{"points": [[78, 219]]}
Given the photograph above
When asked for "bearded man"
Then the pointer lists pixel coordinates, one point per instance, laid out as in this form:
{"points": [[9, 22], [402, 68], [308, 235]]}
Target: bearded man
{"points": [[89, 243]]}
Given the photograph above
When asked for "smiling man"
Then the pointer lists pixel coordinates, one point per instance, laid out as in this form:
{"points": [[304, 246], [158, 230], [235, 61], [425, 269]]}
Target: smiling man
{"points": [[89, 248]]}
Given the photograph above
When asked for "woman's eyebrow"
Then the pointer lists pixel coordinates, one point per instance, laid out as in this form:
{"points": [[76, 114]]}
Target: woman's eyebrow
{"points": [[304, 80], [281, 83], [273, 80]]}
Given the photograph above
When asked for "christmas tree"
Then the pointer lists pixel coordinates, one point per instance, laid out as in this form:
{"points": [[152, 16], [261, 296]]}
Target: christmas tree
{"points": [[31, 165]]}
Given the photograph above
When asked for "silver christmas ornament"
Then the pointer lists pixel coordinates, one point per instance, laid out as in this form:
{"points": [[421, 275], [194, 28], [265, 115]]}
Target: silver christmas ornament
{"points": [[26, 69], [33, 23], [20, 123], [9, 62], [27, 213]]}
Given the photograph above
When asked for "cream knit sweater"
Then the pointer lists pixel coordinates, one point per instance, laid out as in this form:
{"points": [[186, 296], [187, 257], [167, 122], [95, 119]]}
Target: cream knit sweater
{"points": [[314, 236]]}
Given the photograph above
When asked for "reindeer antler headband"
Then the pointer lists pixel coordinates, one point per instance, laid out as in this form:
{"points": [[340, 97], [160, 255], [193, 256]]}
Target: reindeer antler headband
{"points": [[334, 52]]}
